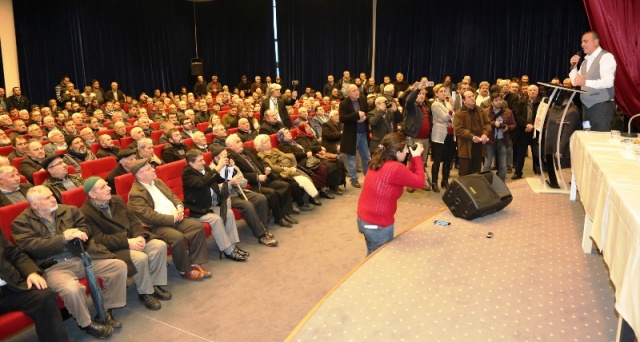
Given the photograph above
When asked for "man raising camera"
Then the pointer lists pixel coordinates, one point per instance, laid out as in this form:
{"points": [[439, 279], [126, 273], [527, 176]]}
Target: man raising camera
{"points": [[383, 120]]}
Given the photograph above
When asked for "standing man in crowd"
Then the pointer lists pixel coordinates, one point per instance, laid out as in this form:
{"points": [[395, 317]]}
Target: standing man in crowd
{"points": [[355, 134], [278, 104], [596, 76], [472, 128]]}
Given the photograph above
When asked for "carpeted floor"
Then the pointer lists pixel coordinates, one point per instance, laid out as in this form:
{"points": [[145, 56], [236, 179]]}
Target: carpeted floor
{"points": [[530, 281]]}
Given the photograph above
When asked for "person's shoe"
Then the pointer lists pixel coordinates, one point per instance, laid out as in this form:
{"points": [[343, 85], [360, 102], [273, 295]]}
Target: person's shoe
{"points": [[290, 219], [295, 210], [98, 330], [326, 195], [109, 320], [444, 184], [205, 273], [150, 302], [514, 177], [268, 241], [427, 187], [410, 190], [305, 207], [192, 275], [356, 184], [337, 191], [435, 189], [284, 223], [315, 201], [243, 252], [161, 293], [235, 256], [269, 234]]}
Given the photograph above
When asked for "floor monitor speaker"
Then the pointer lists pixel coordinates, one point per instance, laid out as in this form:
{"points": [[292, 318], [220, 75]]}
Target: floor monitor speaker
{"points": [[477, 195]]}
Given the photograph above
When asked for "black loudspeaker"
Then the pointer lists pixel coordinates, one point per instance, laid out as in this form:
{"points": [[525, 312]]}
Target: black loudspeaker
{"points": [[196, 67], [477, 195]]}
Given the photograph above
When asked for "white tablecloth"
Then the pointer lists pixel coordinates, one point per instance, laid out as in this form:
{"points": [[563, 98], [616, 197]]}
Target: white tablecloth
{"points": [[608, 179]]}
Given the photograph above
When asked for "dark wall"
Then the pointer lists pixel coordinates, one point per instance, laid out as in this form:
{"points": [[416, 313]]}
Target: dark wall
{"points": [[147, 44]]}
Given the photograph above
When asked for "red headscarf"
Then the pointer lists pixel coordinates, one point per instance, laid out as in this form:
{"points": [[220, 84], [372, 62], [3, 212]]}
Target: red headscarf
{"points": [[302, 129]]}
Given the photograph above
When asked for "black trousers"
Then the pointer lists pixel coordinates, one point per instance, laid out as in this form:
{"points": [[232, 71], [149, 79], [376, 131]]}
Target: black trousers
{"points": [[473, 164], [520, 152], [279, 197], [39, 305], [442, 153]]}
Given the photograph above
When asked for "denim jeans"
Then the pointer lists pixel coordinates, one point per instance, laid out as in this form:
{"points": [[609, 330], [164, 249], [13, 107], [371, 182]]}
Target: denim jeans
{"points": [[361, 146], [499, 149], [374, 237]]}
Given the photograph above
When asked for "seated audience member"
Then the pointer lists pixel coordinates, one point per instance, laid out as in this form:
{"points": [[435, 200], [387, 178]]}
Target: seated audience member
{"points": [[88, 136], [120, 131], [49, 124], [4, 139], [277, 192], [188, 128], [96, 126], [11, 190], [303, 115], [153, 203], [307, 142], [99, 114], [77, 119], [136, 133], [115, 227], [5, 122], [144, 123], [26, 290], [125, 158], [230, 117], [204, 197], [77, 152], [219, 135], [200, 142], [166, 127], [4, 161], [31, 163], [107, 147], [270, 125], [284, 167], [316, 122], [19, 144], [253, 206], [19, 128], [245, 131], [332, 133], [145, 150], [175, 149], [36, 134], [57, 142], [59, 179], [47, 231], [69, 128], [243, 113]]}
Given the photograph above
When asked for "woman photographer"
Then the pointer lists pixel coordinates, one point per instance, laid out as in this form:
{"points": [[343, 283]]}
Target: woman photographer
{"points": [[385, 181]]}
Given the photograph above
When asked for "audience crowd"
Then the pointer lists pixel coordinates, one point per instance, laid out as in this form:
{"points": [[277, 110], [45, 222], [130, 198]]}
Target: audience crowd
{"points": [[258, 149]]}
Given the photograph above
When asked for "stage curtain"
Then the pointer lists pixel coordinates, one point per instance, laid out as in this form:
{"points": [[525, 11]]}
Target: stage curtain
{"points": [[318, 38], [617, 24], [483, 39], [142, 44]]}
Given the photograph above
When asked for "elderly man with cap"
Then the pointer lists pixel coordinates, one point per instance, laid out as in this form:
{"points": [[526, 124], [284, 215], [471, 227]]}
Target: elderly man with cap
{"points": [[59, 179], [31, 163], [203, 196], [125, 158], [107, 147], [253, 206], [49, 233], [11, 190], [278, 104], [152, 202], [115, 227], [77, 152]]}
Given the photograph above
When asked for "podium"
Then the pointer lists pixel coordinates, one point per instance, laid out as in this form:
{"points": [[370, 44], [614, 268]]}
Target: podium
{"points": [[541, 125]]}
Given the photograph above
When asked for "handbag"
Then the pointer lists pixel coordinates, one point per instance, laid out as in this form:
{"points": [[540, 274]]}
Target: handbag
{"points": [[312, 162]]}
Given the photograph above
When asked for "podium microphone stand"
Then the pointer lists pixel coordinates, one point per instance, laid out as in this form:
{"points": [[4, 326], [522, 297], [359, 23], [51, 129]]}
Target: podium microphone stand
{"points": [[541, 125]]}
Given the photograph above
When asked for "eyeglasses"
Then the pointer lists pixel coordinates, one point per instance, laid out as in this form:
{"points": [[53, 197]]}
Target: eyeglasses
{"points": [[57, 164]]}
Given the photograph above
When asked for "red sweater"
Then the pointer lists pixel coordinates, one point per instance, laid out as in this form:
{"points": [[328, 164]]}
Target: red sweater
{"points": [[382, 188]]}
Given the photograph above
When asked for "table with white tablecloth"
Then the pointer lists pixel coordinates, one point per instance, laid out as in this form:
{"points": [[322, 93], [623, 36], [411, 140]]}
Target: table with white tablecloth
{"points": [[607, 176]]}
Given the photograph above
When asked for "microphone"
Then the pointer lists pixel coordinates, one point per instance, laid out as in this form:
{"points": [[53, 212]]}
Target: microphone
{"points": [[573, 65]]}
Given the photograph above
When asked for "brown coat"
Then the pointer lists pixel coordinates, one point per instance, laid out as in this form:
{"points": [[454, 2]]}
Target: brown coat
{"points": [[468, 123], [142, 205]]}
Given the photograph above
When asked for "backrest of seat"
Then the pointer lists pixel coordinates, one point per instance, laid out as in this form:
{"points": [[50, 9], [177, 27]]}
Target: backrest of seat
{"points": [[75, 197], [95, 147], [8, 214], [249, 143], [209, 137], [98, 167], [6, 150], [202, 126], [188, 142], [207, 157], [155, 135], [16, 162], [171, 175], [155, 125], [274, 140], [124, 142], [123, 185], [157, 150], [294, 133], [232, 130]]}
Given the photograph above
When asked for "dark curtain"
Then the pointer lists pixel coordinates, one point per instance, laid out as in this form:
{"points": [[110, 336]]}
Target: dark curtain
{"points": [[318, 38], [621, 37], [483, 39], [142, 44]]}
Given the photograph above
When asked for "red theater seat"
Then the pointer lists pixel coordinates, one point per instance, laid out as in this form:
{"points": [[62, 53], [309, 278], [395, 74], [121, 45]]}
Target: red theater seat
{"points": [[98, 167]]}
